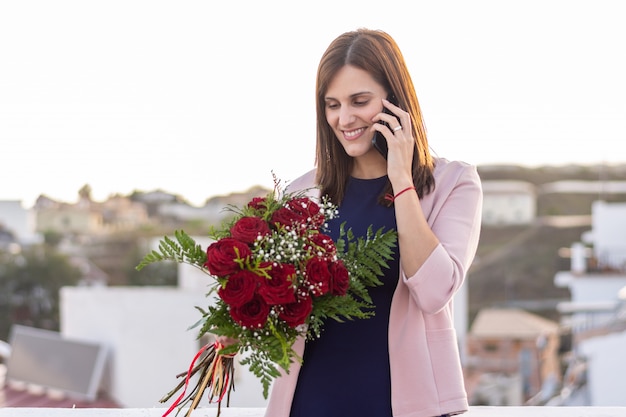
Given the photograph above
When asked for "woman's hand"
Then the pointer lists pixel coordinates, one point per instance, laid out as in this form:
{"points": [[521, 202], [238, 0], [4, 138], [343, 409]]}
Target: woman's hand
{"points": [[416, 240], [400, 143], [226, 341]]}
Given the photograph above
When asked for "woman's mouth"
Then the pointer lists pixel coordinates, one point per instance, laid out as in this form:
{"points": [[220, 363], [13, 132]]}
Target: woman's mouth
{"points": [[353, 134]]}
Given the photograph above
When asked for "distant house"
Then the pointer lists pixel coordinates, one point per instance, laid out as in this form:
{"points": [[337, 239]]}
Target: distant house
{"points": [[513, 343], [584, 187], [214, 211], [69, 219], [508, 203], [178, 211], [120, 213], [86, 217], [154, 199]]}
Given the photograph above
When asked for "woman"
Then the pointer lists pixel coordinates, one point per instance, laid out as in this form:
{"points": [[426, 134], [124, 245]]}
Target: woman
{"points": [[403, 362]]}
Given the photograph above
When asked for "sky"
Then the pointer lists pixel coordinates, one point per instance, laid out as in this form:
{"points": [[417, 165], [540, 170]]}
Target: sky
{"points": [[203, 98]]}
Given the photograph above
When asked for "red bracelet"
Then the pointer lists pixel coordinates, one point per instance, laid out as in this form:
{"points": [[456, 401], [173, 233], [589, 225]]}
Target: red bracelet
{"points": [[392, 198]]}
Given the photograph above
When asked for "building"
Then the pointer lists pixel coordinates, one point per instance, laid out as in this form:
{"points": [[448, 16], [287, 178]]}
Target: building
{"points": [[596, 314], [516, 347], [69, 219], [86, 217], [508, 203]]}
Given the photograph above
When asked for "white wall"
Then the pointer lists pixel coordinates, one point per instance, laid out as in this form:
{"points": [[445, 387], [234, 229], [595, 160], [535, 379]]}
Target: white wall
{"points": [[508, 202], [591, 287], [146, 332], [609, 233], [607, 364]]}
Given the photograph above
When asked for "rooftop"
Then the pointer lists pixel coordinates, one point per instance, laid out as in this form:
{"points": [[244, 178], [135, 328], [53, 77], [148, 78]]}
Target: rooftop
{"points": [[28, 396], [511, 323]]}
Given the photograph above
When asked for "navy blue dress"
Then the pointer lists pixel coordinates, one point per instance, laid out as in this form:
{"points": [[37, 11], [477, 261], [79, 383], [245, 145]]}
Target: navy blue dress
{"points": [[346, 370]]}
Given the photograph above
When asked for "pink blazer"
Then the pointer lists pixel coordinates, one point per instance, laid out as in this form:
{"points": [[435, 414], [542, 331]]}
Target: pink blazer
{"points": [[426, 373]]}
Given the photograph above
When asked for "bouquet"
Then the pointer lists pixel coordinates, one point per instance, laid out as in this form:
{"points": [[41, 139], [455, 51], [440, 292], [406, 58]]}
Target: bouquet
{"points": [[276, 276]]}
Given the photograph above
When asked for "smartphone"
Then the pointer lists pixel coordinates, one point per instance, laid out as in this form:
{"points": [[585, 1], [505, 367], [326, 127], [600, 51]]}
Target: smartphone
{"points": [[379, 141]]}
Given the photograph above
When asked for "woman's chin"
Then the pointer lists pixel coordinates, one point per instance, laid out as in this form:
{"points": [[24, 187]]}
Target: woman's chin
{"points": [[358, 150]]}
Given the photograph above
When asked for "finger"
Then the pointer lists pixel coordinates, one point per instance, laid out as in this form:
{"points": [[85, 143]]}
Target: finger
{"points": [[402, 117], [390, 119], [388, 129]]}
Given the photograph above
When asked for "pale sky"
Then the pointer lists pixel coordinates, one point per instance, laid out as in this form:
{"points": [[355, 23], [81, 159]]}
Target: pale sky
{"points": [[202, 98]]}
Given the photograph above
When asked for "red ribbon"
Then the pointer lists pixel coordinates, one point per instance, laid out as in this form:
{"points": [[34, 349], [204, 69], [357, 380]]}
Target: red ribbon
{"points": [[392, 198], [182, 395], [216, 370]]}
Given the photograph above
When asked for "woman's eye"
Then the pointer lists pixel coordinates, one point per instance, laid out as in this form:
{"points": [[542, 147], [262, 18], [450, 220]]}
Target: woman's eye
{"points": [[361, 103], [332, 106]]}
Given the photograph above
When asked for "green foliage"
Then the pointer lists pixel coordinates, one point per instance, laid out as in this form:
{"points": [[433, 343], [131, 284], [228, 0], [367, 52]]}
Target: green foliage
{"points": [[181, 249], [29, 287], [365, 258], [152, 274]]}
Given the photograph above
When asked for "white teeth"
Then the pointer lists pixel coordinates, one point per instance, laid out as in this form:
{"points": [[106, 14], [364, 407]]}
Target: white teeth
{"points": [[353, 133]]}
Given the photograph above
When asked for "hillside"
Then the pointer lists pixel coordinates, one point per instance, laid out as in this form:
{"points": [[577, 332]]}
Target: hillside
{"points": [[516, 265], [546, 174]]}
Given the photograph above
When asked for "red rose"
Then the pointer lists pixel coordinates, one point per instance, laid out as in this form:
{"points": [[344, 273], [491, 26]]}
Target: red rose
{"points": [[247, 229], [307, 209], [295, 314], [239, 288], [318, 275], [279, 288], [258, 203], [323, 245], [252, 314], [340, 280], [221, 256], [286, 217]]}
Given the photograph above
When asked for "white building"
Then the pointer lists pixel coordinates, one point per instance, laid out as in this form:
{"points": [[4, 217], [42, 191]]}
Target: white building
{"points": [[608, 235], [597, 311], [18, 220], [508, 203]]}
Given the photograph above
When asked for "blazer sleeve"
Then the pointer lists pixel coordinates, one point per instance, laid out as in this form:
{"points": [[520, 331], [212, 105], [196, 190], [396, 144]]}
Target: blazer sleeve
{"points": [[304, 183], [453, 211]]}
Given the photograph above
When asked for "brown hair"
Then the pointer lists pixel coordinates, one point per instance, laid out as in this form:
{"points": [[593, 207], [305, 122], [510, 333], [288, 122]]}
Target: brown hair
{"points": [[377, 53]]}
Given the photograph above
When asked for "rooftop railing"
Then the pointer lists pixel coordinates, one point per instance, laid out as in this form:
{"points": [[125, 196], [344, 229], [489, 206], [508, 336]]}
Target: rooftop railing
{"points": [[259, 412]]}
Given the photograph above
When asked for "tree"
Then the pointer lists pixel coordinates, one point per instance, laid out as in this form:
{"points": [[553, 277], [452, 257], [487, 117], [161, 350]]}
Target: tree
{"points": [[29, 287], [162, 274], [85, 192]]}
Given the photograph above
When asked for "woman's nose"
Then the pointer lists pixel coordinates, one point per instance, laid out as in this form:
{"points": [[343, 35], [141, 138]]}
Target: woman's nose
{"points": [[346, 116]]}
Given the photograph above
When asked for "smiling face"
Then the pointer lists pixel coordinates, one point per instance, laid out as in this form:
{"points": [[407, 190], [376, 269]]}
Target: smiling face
{"points": [[353, 98]]}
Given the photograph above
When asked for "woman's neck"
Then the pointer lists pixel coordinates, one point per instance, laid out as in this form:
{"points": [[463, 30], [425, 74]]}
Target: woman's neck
{"points": [[369, 166]]}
